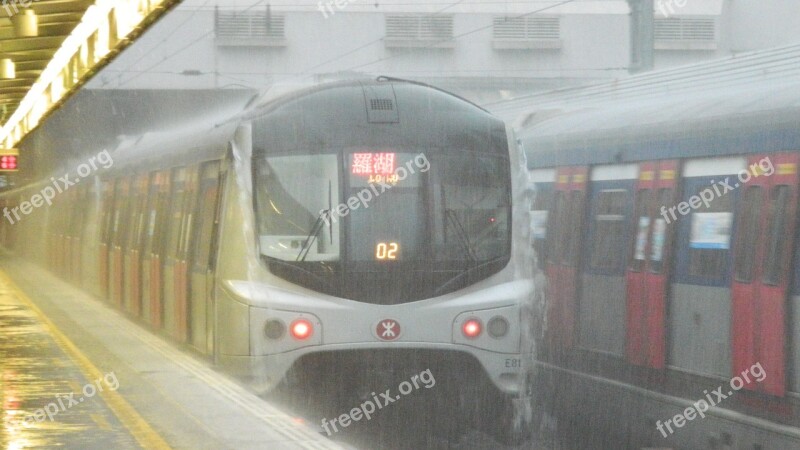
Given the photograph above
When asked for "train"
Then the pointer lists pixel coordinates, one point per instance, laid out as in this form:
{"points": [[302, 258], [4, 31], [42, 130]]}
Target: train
{"points": [[666, 223], [353, 220]]}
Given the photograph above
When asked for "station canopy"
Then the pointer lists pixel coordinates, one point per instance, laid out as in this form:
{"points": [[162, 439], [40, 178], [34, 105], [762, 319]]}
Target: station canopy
{"points": [[50, 48]]}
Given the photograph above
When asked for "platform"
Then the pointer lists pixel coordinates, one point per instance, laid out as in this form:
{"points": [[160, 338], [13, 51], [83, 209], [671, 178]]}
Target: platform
{"points": [[77, 374]]}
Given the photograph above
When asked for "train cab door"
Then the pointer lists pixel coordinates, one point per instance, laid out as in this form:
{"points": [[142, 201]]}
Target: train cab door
{"points": [[765, 228], [202, 257], [154, 242], [565, 227], [647, 277]]}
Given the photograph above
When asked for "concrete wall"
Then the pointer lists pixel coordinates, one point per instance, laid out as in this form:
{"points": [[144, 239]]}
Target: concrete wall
{"points": [[181, 52], [594, 46]]}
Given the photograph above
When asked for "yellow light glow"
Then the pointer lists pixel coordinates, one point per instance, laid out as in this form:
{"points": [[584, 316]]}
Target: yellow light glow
{"points": [[90, 42]]}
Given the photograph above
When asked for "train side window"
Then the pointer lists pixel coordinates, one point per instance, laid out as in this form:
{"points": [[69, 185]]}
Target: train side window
{"points": [[176, 209], [138, 197], [151, 214], [77, 212], [556, 226], [187, 227], [107, 212], [542, 200], [660, 240], [540, 219], [776, 233], [573, 229], [747, 234], [161, 214], [121, 206], [642, 217], [609, 229], [709, 239]]}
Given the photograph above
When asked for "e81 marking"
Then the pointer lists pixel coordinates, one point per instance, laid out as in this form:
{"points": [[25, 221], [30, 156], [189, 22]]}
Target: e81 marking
{"points": [[513, 363]]}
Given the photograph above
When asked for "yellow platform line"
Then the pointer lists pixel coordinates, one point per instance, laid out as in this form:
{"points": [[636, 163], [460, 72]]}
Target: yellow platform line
{"points": [[144, 434]]}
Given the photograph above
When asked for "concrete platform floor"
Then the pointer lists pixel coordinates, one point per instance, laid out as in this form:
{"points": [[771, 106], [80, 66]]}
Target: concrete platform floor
{"points": [[75, 373]]}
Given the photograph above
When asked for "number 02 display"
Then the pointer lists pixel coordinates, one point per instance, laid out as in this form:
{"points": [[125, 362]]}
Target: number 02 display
{"points": [[387, 250]]}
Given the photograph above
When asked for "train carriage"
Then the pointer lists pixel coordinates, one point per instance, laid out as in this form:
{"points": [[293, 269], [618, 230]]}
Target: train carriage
{"points": [[668, 225]]}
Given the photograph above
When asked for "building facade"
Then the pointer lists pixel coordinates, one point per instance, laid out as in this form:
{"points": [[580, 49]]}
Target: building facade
{"points": [[485, 50]]}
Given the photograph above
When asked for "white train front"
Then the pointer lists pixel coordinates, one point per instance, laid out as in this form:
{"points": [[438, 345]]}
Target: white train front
{"points": [[362, 219]]}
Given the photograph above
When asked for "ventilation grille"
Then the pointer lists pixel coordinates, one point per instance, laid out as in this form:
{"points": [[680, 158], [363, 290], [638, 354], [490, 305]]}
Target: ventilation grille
{"points": [[381, 104], [232, 26], [419, 28], [683, 29], [526, 28]]}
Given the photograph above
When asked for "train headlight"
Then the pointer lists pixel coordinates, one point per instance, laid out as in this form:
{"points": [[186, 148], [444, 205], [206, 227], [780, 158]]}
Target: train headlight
{"points": [[497, 327], [472, 328], [274, 329], [301, 329]]}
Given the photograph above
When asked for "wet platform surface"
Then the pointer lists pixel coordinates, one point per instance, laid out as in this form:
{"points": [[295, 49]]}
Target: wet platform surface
{"points": [[75, 373], [40, 387]]}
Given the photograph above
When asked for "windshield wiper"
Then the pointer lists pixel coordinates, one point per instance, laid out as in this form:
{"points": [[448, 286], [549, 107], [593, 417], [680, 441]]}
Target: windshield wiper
{"points": [[324, 216], [318, 280], [312, 235], [463, 237]]}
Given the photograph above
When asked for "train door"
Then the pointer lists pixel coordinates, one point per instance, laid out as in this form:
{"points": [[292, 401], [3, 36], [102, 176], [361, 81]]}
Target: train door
{"points": [[761, 263], [64, 269], [78, 212], [175, 273], [181, 268], [602, 290], [133, 261], [90, 237], [647, 278], [106, 225], [56, 227], [121, 221], [71, 222], [3, 225], [59, 221], [565, 222], [153, 248], [202, 255]]}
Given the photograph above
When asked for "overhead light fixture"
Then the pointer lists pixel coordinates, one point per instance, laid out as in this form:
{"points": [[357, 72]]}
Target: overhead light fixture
{"points": [[26, 24], [8, 70]]}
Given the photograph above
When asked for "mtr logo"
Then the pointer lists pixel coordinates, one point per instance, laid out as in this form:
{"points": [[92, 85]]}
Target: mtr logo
{"points": [[8, 160], [388, 330]]}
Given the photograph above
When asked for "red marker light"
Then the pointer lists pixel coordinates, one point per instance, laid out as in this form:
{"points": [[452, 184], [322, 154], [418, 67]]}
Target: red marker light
{"points": [[8, 162], [472, 328], [301, 329]]}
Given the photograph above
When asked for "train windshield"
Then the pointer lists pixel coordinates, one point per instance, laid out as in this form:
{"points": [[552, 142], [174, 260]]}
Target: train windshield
{"points": [[385, 226]]}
